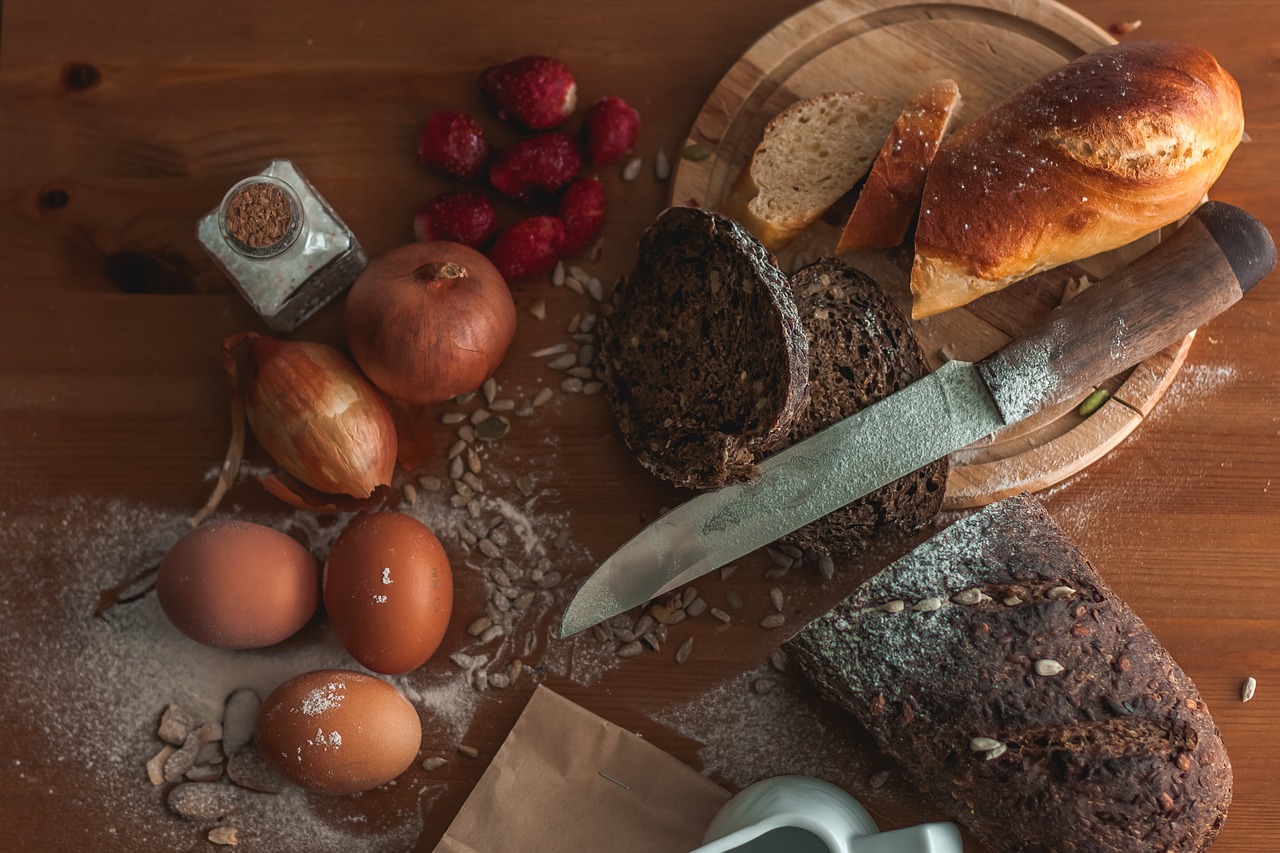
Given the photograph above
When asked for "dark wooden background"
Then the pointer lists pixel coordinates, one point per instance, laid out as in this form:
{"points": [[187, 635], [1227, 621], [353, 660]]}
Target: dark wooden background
{"points": [[121, 123]]}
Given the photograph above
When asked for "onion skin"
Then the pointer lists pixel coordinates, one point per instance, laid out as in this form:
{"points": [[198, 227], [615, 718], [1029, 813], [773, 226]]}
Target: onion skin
{"points": [[430, 321], [317, 417]]}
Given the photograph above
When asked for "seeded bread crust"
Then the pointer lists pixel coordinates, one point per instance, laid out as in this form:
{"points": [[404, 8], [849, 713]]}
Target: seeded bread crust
{"points": [[861, 349], [1117, 752], [702, 352]]}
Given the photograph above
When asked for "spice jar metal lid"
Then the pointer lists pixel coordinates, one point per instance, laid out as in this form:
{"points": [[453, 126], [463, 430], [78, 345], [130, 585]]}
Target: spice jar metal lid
{"points": [[261, 217]]}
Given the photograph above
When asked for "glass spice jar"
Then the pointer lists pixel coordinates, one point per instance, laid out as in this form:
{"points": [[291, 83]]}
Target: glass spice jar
{"points": [[282, 245]]}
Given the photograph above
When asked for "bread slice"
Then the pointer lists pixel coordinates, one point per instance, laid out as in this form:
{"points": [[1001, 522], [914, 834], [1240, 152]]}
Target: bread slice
{"points": [[812, 153], [1023, 695], [1108, 148], [861, 349], [702, 352], [891, 196]]}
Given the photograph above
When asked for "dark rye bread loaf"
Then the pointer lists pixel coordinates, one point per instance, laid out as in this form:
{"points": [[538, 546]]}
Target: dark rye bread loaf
{"points": [[861, 349], [701, 350], [998, 628]]}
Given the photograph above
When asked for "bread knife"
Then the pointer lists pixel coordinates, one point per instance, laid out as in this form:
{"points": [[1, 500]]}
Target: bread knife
{"points": [[1205, 267]]}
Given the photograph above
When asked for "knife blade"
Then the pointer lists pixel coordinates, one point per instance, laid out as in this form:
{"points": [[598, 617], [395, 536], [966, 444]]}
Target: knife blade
{"points": [[1206, 266]]}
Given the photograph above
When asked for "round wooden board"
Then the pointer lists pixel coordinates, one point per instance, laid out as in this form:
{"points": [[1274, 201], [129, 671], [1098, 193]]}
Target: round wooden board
{"points": [[891, 48]]}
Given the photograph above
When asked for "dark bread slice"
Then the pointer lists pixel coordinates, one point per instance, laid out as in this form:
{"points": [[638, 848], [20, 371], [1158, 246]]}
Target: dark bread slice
{"points": [[861, 349], [701, 350], [958, 640]]}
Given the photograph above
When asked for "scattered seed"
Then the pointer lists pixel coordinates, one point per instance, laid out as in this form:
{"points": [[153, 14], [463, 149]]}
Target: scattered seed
{"points": [[877, 780], [773, 620], [457, 449], [435, 762], [155, 765], [524, 600], [624, 635], [574, 322], [452, 418], [927, 605], [1094, 402], [695, 152], [984, 744], [467, 433], [778, 660], [538, 308], [778, 558], [543, 397], [479, 626], [630, 650], [572, 385], [682, 653], [661, 166], [721, 615], [492, 633], [1012, 601], [480, 679], [563, 362], [733, 599], [775, 573], [790, 550], [775, 596], [826, 566], [468, 751], [592, 388], [1247, 689], [895, 606], [500, 680], [525, 484], [489, 389], [562, 539], [493, 429], [689, 596], [458, 501], [551, 350], [643, 624], [697, 607], [471, 481], [586, 355], [456, 467], [463, 490], [557, 274], [763, 686], [204, 800], [1060, 592], [579, 273], [602, 633], [588, 323], [726, 572], [474, 465], [479, 416], [576, 285], [1048, 667], [489, 549], [463, 399], [410, 493], [514, 671], [504, 405], [632, 169], [993, 754], [968, 596], [549, 581], [595, 289], [580, 372], [430, 483]]}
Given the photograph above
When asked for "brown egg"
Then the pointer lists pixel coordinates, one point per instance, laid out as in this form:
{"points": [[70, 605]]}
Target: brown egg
{"points": [[238, 585], [334, 731], [388, 591]]}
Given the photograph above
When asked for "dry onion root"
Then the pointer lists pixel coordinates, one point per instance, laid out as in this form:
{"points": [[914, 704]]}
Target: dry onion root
{"points": [[316, 416]]}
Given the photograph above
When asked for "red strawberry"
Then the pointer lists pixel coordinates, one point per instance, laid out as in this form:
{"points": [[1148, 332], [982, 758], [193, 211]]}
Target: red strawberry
{"points": [[453, 145], [582, 211], [528, 247], [537, 91], [462, 217], [543, 164], [612, 126]]}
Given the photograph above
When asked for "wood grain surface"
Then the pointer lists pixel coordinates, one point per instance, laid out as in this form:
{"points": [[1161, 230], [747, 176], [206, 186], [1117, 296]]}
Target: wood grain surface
{"points": [[122, 123]]}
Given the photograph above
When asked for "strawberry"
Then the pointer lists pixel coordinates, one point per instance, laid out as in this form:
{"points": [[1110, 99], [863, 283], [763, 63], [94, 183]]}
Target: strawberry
{"points": [[462, 217], [543, 164], [582, 212], [528, 247], [454, 145], [537, 91], [612, 126]]}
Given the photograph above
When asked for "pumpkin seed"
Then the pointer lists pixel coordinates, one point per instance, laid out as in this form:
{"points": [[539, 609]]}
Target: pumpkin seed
{"points": [[695, 152], [1048, 667], [493, 429], [968, 596], [1094, 402], [993, 754], [984, 744], [1247, 689]]}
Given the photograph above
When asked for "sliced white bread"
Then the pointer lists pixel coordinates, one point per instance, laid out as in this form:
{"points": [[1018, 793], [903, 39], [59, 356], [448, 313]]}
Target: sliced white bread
{"points": [[891, 196], [812, 153]]}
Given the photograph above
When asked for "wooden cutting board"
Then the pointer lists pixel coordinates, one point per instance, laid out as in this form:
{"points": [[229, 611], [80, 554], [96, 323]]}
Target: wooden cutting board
{"points": [[892, 48]]}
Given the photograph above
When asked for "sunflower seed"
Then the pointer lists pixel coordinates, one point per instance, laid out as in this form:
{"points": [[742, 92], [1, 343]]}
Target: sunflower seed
{"points": [[473, 462], [480, 680], [763, 686], [984, 744], [624, 635], [452, 418], [592, 388], [588, 323], [461, 660], [682, 653], [653, 641], [790, 550], [775, 596], [430, 483], [435, 762], [523, 601], [726, 572], [721, 615], [689, 595], [778, 660], [479, 626], [557, 274], [467, 433], [1012, 601], [968, 596], [563, 362], [572, 385], [778, 558], [489, 389], [661, 165], [456, 467], [993, 754], [595, 288], [480, 415], [538, 308], [471, 481], [555, 349], [1247, 689], [410, 493], [489, 549], [204, 800], [500, 680], [473, 508], [543, 397], [580, 372], [630, 649], [697, 607], [562, 539], [1093, 402], [224, 836], [458, 501], [468, 751], [504, 405], [491, 633], [643, 624], [773, 620], [525, 484], [574, 284], [1048, 667], [549, 581], [493, 429], [877, 780], [775, 573], [514, 671], [463, 490], [826, 566], [927, 605], [632, 169], [586, 355], [1060, 592], [733, 599]]}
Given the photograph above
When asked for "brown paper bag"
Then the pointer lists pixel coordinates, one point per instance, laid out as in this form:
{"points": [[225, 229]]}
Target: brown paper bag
{"points": [[567, 780]]}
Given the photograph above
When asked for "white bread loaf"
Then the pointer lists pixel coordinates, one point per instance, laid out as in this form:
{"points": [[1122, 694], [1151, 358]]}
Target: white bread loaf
{"points": [[891, 196], [1096, 154], [812, 153]]}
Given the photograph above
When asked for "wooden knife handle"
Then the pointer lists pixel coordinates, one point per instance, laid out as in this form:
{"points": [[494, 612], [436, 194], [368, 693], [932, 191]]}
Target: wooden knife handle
{"points": [[1204, 268]]}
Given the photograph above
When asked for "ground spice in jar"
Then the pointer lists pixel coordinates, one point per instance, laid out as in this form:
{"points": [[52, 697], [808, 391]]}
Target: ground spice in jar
{"points": [[259, 215]]}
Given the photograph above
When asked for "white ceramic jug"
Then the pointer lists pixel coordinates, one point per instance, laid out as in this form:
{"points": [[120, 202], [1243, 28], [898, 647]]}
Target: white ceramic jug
{"points": [[800, 814]]}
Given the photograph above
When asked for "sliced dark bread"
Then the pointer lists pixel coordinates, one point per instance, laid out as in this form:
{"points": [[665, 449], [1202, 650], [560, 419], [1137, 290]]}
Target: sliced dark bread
{"points": [[702, 352], [1023, 695], [861, 349]]}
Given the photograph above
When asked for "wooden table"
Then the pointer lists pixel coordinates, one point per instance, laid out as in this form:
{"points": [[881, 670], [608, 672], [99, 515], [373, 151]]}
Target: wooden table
{"points": [[121, 124]]}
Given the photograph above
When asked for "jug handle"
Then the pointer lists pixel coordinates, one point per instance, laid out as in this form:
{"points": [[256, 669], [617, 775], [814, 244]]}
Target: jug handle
{"points": [[925, 838]]}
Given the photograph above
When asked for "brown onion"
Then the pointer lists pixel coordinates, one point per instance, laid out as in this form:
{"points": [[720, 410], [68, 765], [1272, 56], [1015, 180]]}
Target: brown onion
{"points": [[429, 321], [314, 413]]}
